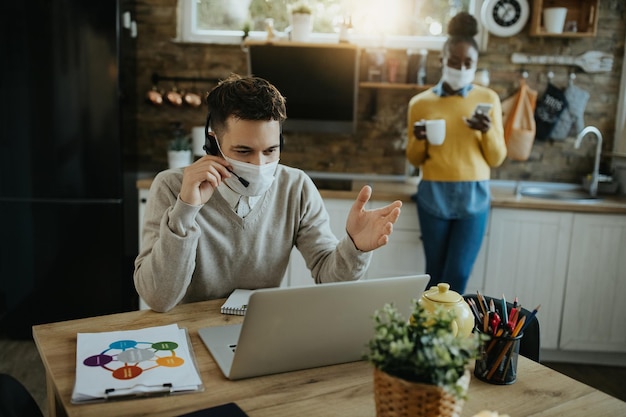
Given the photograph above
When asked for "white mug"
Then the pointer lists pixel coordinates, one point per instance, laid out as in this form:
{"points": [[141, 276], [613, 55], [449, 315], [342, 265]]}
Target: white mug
{"points": [[436, 131], [554, 19]]}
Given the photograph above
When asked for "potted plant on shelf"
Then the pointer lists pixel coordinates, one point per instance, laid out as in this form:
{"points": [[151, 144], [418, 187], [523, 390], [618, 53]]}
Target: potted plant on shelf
{"points": [[301, 22], [179, 149], [420, 366]]}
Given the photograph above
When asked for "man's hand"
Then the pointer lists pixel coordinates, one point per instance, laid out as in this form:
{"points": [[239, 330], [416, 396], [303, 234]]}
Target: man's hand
{"points": [[370, 229], [201, 178]]}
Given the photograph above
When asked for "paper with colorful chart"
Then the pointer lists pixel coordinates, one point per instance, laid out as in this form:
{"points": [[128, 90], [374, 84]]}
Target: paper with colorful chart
{"points": [[150, 361]]}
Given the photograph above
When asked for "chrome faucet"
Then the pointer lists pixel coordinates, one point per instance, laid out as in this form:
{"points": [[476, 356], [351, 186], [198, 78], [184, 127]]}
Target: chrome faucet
{"points": [[593, 188]]}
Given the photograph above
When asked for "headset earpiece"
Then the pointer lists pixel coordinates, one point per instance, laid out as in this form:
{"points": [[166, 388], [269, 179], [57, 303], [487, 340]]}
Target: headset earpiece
{"points": [[210, 142], [211, 146]]}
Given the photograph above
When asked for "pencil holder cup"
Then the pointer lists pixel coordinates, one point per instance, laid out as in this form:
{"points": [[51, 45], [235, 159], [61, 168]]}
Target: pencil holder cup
{"points": [[497, 360]]}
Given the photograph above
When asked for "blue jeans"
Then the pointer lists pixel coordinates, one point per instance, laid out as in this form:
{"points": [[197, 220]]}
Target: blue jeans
{"points": [[451, 247]]}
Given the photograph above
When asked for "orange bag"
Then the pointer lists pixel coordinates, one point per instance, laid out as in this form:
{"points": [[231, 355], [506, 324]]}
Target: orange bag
{"points": [[518, 117]]}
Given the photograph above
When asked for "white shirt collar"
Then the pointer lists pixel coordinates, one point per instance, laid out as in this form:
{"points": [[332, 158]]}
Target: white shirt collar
{"points": [[233, 198]]}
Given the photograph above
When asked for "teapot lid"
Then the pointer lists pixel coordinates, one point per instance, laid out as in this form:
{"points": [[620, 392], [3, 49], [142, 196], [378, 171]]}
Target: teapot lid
{"points": [[442, 294]]}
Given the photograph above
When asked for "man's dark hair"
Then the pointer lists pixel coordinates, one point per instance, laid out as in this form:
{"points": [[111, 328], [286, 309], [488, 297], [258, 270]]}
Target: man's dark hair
{"points": [[247, 98]]}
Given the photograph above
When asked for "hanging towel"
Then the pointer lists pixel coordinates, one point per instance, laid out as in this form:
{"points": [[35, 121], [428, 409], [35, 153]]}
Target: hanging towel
{"points": [[571, 121], [549, 107], [519, 122]]}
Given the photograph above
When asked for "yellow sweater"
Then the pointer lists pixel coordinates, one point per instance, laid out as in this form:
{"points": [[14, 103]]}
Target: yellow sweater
{"points": [[466, 154]]}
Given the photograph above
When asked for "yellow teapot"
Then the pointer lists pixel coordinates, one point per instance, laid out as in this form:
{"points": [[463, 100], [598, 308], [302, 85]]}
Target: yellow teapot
{"points": [[441, 295]]}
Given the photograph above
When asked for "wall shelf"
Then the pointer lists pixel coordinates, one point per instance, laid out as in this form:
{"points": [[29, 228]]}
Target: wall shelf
{"points": [[393, 86], [583, 12]]}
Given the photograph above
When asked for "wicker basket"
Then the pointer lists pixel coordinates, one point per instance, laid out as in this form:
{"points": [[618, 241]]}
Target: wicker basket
{"points": [[396, 397]]}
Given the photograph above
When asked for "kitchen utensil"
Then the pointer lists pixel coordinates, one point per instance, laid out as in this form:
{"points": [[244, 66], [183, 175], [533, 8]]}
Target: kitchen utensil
{"points": [[174, 98], [192, 99], [441, 295], [590, 61], [154, 96]]}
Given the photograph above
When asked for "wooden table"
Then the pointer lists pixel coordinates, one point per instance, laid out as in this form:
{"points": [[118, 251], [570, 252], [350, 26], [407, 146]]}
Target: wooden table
{"points": [[340, 390]]}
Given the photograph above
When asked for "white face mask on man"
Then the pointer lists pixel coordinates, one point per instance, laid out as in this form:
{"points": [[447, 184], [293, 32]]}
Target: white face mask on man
{"points": [[259, 177], [457, 79]]}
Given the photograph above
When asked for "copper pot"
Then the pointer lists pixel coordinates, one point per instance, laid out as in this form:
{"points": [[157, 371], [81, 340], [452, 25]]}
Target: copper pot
{"points": [[192, 99], [154, 96], [174, 97]]}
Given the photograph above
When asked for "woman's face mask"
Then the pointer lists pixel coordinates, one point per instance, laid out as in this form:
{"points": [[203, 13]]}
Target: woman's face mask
{"points": [[459, 65], [259, 177], [457, 78]]}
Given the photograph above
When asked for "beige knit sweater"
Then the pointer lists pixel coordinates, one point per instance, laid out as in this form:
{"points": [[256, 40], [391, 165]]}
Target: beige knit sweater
{"points": [[194, 253]]}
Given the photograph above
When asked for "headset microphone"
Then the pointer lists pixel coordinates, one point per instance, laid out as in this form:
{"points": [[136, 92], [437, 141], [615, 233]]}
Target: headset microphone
{"points": [[243, 181], [211, 147]]}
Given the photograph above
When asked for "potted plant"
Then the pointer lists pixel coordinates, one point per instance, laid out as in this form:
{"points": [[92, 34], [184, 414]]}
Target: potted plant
{"points": [[247, 26], [301, 22], [420, 366], [179, 149]]}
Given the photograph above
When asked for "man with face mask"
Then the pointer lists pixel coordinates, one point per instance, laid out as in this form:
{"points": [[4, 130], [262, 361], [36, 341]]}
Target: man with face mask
{"points": [[453, 198], [231, 219]]}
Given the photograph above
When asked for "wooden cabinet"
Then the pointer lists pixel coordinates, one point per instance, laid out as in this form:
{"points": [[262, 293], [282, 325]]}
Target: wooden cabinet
{"points": [[404, 254], [297, 273], [583, 12], [477, 279], [593, 313], [573, 264], [143, 194], [527, 257]]}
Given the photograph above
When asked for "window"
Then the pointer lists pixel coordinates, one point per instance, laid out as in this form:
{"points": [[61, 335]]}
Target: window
{"points": [[389, 23]]}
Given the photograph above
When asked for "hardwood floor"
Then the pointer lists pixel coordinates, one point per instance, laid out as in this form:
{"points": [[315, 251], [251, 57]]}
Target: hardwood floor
{"points": [[20, 359], [609, 379]]}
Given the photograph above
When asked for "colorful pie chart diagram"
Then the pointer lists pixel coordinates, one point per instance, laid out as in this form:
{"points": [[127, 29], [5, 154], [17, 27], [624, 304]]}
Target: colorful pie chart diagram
{"points": [[127, 359]]}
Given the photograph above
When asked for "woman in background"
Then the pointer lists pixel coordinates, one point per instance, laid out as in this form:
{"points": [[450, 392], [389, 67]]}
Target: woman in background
{"points": [[453, 197]]}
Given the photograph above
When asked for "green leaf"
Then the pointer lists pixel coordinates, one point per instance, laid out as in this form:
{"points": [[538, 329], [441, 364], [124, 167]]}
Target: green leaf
{"points": [[422, 348]]}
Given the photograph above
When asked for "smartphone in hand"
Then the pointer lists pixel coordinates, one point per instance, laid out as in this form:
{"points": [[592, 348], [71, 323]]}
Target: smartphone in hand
{"points": [[480, 119], [483, 108]]}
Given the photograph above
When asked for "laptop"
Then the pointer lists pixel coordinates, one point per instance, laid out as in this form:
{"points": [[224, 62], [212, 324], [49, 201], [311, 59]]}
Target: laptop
{"points": [[287, 329]]}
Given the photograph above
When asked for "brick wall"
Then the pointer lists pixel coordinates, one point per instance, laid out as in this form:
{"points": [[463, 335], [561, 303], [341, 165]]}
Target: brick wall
{"points": [[378, 143]]}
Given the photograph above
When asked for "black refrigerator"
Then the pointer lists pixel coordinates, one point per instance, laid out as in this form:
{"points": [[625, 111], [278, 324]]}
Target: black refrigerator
{"points": [[62, 248]]}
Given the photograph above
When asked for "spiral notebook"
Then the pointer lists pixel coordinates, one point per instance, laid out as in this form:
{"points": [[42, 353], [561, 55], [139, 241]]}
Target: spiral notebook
{"points": [[237, 302]]}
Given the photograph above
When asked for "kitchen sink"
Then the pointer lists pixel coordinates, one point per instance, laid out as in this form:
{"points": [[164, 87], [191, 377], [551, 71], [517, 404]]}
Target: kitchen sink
{"points": [[555, 193]]}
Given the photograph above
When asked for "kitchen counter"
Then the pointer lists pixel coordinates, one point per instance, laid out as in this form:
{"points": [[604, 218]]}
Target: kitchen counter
{"points": [[502, 195]]}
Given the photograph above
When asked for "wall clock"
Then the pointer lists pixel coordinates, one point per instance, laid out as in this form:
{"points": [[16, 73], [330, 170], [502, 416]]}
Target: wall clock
{"points": [[504, 17]]}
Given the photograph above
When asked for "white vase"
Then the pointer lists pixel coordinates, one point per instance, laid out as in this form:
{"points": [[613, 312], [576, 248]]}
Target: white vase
{"points": [[178, 159], [301, 27]]}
